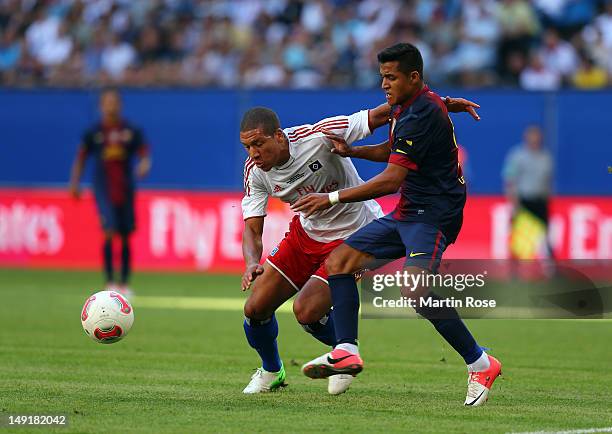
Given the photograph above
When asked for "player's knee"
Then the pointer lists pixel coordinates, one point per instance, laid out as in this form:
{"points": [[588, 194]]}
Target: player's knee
{"points": [[257, 309], [305, 312]]}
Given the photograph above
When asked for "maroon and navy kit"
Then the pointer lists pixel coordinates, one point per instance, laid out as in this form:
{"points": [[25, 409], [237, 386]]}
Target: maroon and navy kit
{"points": [[429, 213], [114, 148]]}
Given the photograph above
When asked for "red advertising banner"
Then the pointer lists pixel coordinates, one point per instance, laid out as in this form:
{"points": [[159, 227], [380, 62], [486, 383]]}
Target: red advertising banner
{"points": [[189, 231]]}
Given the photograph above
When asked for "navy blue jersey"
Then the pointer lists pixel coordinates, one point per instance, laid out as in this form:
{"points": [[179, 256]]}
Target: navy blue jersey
{"points": [[423, 141], [113, 148]]}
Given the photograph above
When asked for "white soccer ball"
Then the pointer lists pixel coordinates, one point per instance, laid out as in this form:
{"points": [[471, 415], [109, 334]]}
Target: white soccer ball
{"points": [[107, 317]]}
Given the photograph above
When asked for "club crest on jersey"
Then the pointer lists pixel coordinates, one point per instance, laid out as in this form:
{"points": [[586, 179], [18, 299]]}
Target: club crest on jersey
{"points": [[277, 188], [274, 250], [315, 165]]}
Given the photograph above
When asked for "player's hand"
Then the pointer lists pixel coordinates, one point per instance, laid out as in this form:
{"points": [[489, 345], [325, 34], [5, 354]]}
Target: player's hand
{"points": [[458, 105], [141, 171], [311, 203], [75, 191], [340, 146], [250, 275], [143, 168]]}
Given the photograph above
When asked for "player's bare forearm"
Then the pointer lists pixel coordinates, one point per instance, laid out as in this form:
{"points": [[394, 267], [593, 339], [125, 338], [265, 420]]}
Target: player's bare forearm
{"points": [[379, 153], [75, 177], [252, 245], [76, 171], [379, 116], [387, 182]]}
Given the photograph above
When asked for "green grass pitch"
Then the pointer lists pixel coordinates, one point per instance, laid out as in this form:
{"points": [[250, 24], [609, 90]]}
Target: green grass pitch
{"points": [[185, 362]]}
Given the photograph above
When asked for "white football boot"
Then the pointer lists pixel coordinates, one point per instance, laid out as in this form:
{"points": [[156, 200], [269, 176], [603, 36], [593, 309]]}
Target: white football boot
{"points": [[263, 381], [338, 384]]}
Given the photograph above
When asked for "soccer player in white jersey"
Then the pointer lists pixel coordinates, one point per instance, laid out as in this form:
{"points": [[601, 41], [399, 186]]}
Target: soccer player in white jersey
{"points": [[288, 164]]}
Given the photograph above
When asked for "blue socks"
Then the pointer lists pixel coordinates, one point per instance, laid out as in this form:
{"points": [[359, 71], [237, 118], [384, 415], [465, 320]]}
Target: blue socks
{"points": [[323, 330], [262, 337], [345, 298], [447, 322]]}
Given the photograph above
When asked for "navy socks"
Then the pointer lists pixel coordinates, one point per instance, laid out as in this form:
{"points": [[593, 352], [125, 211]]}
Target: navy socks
{"points": [[345, 298], [447, 322], [323, 330]]}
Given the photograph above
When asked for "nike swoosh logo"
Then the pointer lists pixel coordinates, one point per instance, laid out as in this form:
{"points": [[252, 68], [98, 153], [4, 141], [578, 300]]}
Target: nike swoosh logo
{"points": [[401, 152], [334, 361], [477, 398], [412, 254]]}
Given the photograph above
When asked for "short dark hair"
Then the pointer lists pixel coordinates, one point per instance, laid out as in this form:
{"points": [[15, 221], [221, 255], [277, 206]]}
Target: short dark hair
{"points": [[260, 117], [408, 56]]}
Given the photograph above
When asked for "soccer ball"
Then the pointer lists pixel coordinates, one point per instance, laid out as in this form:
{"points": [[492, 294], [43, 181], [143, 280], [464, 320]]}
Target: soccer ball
{"points": [[107, 317]]}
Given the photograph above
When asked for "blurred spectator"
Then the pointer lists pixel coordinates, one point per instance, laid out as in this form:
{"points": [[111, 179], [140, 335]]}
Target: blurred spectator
{"points": [[117, 57], [568, 16], [56, 49], [10, 50], [476, 50], [589, 75], [604, 24], [519, 28], [537, 76], [297, 43], [558, 55]]}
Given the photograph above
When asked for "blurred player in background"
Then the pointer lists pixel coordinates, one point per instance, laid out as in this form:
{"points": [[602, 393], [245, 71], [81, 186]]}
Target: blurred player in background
{"points": [[114, 144], [528, 175], [423, 164], [290, 163]]}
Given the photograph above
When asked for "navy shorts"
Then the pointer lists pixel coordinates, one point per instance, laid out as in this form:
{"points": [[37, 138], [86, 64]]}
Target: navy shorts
{"points": [[387, 239], [117, 218]]}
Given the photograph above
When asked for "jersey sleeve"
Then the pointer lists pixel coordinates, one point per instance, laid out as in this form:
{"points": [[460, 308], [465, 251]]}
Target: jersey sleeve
{"points": [[358, 127], [411, 142], [350, 128], [255, 199]]}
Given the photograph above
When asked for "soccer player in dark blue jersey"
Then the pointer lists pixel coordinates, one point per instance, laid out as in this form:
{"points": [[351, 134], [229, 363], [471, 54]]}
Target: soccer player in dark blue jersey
{"points": [[423, 164], [114, 144]]}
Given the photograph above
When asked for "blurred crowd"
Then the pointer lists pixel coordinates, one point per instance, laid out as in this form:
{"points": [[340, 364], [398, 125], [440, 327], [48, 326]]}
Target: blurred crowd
{"points": [[538, 45]]}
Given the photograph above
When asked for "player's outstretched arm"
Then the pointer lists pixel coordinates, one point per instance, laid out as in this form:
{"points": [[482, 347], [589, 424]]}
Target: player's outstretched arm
{"points": [[380, 115], [459, 105], [378, 152], [387, 182], [252, 248]]}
